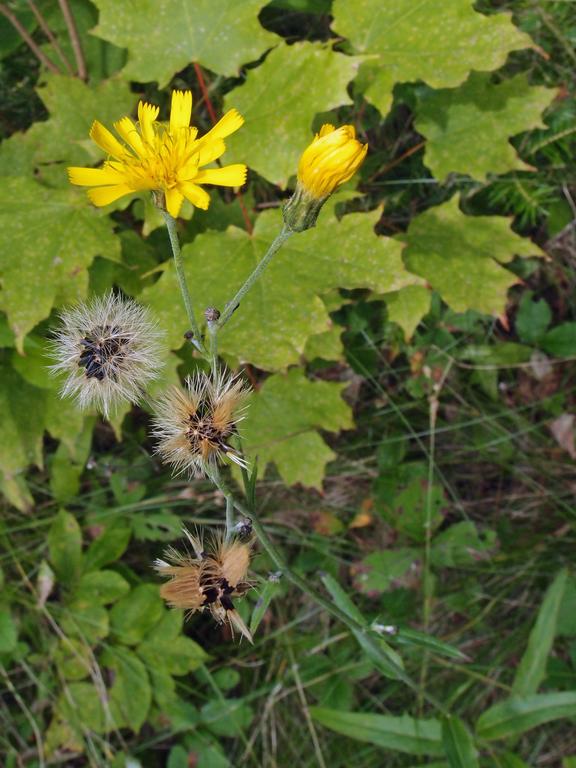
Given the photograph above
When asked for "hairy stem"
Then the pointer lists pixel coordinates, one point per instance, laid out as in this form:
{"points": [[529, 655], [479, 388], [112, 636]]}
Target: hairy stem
{"points": [[184, 290], [229, 517], [212, 328], [275, 246]]}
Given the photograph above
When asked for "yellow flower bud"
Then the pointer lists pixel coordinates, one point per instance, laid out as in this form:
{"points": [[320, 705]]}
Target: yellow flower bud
{"points": [[332, 158]]}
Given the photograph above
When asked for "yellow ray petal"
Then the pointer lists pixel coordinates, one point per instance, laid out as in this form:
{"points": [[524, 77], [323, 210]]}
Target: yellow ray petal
{"points": [[181, 110], [197, 196], [174, 200], [105, 195], [228, 176], [231, 121], [94, 177], [210, 150], [147, 114], [130, 134], [325, 130], [107, 141]]}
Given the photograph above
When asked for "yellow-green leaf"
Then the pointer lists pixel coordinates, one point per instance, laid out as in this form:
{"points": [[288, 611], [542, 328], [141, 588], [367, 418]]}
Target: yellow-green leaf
{"points": [[460, 256], [467, 128], [439, 43], [164, 36], [63, 139], [284, 307], [56, 236], [22, 423], [21, 416], [279, 100], [408, 306], [282, 425]]}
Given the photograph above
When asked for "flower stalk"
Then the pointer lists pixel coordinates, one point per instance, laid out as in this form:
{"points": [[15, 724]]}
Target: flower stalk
{"points": [[182, 282], [234, 303]]}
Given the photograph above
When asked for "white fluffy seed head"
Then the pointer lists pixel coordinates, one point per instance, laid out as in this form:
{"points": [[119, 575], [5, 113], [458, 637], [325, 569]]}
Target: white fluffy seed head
{"points": [[194, 425], [109, 350]]}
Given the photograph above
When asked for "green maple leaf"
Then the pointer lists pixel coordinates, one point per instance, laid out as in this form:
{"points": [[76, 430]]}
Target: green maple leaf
{"points": [[460, 256], [21, 416], [61, 418], [467, 128], [30, 405], [282, 423], [439, 43], [63, 138], [279, 100], [48, 239], [326, 345], [408, 306], [284, 308], [164, 36]]}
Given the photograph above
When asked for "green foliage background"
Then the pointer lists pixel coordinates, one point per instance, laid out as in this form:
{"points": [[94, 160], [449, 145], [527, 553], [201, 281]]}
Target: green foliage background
{"points": [[429, 316]]}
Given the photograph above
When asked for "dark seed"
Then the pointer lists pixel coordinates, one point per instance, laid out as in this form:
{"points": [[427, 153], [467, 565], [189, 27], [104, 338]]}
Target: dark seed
{"points": [[227, 603], [100, 353], [210, 595]]}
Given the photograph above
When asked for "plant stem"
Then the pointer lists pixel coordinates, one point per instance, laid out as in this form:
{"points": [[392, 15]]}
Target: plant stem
{"points": [[229, 517], [74, 39], [184, 290], [50, 35], [276, 244], [212, 328], [21, 29]]}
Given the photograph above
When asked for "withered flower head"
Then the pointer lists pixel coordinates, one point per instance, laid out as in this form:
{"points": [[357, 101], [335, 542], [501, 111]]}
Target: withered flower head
{"points": [[109, 348], [194, 425], [208, 578]]}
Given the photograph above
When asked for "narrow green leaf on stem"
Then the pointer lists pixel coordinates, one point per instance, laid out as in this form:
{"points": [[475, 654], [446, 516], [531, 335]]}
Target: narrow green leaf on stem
{"points": [[517, 715], [532, 668], [458, 743], [402, 734]]}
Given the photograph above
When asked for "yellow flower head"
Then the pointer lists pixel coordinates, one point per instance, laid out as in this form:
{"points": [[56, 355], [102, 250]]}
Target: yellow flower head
{"points": [[167, 158], [331, 159]]}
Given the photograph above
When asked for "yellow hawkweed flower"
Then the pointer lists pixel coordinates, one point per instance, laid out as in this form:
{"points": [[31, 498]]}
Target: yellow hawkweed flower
{"points": [[332, 158], [160, 157]]}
